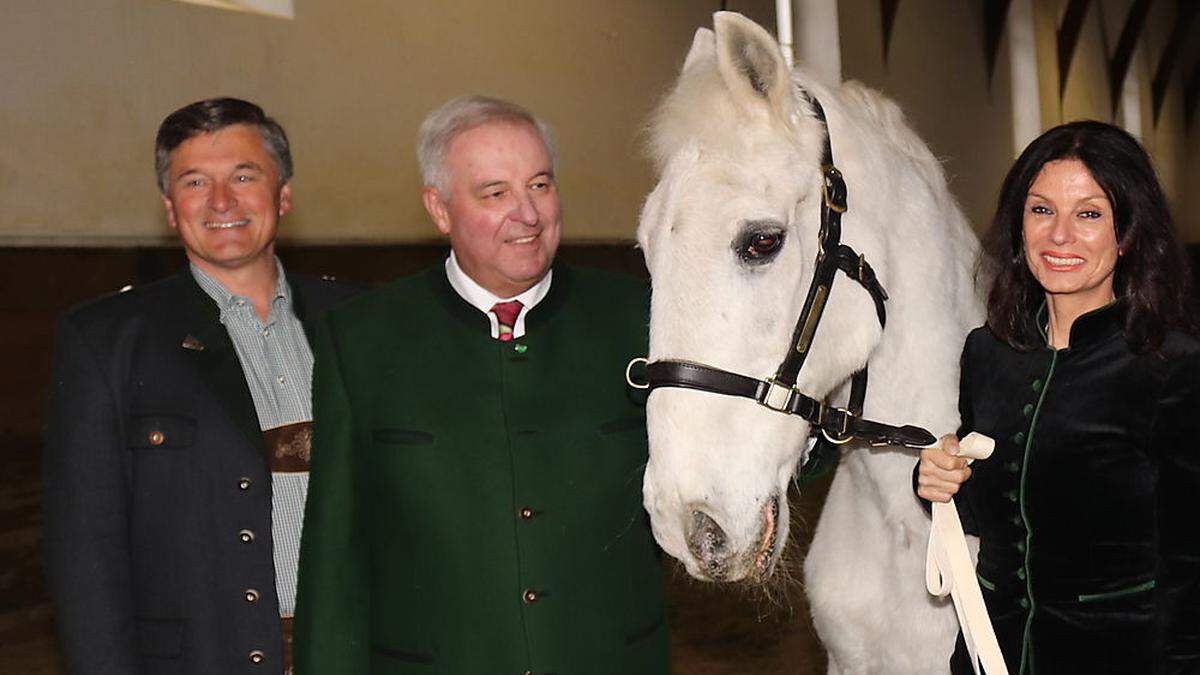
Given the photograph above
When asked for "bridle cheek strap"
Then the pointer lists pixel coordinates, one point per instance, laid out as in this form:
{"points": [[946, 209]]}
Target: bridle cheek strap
{"points": [[779, 393]]}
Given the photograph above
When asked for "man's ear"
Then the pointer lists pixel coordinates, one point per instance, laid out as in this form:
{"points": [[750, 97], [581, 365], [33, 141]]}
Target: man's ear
{"points": [[170, 207], [436, 208], [285, 199]]}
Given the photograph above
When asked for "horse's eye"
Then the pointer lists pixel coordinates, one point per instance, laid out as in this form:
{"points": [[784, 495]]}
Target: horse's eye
{"points": [[760, 246]]}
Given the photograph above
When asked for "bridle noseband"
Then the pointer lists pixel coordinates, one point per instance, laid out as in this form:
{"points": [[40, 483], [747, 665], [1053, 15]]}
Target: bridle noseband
{"points": [[779, 393]]}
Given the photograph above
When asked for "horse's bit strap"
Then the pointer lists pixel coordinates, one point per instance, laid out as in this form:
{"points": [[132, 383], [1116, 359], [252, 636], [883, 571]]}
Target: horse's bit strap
{"points": [[949, 571]]}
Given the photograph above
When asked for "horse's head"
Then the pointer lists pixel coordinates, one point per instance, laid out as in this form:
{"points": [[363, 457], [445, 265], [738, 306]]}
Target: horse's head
{"points": [[730, 239]]}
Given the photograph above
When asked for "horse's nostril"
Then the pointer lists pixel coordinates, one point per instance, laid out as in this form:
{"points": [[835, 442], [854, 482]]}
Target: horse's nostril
{"points": [[707, 541]]}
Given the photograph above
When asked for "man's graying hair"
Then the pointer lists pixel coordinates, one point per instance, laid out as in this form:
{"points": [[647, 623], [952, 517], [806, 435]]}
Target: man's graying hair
{"points": [[214, 114], [443, 125]]}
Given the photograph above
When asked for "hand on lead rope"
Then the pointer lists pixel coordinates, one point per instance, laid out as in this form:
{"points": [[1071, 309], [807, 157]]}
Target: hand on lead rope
{"points": [[949, 569], [942, 470]]}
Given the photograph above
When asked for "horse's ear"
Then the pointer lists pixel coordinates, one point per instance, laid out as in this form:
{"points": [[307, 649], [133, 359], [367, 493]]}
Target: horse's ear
{"points": [[751, 63], [704, 48]]}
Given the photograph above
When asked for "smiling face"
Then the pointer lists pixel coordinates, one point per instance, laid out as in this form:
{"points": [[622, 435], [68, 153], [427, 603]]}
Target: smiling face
{"points": [[501, 208], [1070, 235], [224, 198]]}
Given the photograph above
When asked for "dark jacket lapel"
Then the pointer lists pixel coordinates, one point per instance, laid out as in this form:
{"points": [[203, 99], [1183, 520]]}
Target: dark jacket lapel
{"points": [[204, 339]]}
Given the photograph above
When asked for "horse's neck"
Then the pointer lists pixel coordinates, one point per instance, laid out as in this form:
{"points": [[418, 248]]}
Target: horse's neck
{"points": [[914, 371]]}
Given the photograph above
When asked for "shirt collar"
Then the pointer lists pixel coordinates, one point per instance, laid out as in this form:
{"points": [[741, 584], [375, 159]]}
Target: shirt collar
{"points": [[227, 301], [482, 299]]}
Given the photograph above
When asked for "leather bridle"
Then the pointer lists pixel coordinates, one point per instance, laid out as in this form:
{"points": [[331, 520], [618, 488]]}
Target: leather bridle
{"points": [[779, 393]]}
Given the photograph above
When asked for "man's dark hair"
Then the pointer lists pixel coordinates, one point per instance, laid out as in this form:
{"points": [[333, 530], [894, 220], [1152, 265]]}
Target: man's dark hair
{"points": [[1151, 276], [214, 114]]}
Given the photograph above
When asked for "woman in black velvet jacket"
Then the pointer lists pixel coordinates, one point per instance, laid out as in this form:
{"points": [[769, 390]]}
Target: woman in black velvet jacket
{"points": [[1087, 375]]}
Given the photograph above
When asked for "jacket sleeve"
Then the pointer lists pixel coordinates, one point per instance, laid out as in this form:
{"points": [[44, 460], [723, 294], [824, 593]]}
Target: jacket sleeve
{"points": [[333, 601], [87, 511], [1176, 437]]}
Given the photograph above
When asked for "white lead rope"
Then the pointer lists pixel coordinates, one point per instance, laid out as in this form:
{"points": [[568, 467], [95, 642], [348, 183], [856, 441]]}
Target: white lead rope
{"points": [[949, 571]]}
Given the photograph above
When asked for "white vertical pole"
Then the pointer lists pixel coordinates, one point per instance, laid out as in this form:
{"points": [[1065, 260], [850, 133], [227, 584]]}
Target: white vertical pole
{"points": [[783, 26], [818, 40], [1131, 99], [1022, 59]]}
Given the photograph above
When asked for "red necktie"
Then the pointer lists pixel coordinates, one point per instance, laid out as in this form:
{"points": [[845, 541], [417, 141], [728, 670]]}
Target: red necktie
{"points": [[506, 315]]}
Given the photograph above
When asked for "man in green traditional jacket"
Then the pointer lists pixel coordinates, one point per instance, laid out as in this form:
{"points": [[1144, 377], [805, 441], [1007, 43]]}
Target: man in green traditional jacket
{"points": [[475, 496]]}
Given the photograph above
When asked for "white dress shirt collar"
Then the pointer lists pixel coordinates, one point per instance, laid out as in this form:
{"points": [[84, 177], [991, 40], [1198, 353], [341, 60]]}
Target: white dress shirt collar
{"points": [[482, 299]]}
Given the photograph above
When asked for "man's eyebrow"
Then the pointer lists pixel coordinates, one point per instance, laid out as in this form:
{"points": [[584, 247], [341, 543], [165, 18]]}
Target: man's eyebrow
{"points": [[548, 173], [492, 184], [185, 173], [253, 166]]}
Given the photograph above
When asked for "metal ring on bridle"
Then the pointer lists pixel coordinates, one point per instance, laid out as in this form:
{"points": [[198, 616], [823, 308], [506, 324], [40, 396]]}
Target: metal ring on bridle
{"points": [[629, 373], [835, 441]]}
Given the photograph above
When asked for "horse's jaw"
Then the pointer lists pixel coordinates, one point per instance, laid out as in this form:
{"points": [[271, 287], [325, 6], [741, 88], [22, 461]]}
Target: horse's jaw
{"points": [[720, 510]]}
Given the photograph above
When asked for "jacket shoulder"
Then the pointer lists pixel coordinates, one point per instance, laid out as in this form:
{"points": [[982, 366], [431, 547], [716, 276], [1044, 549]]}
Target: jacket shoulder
{"points": [[320, 293], [616, 292], [367, 306], [126, 302], [607, 282]]}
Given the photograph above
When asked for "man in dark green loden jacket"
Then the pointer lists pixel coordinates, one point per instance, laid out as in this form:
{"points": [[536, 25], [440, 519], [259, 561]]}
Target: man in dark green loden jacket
{"points": [[475, 498]]}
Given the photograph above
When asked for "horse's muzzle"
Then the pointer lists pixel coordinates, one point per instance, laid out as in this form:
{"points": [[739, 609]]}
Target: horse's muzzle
{"points": [[709, 545]]}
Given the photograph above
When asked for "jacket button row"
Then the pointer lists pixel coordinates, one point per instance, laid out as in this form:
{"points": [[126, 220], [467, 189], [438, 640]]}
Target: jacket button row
{"points": [[244, 483], [1037, 386], [530, 596], [1013, 466], [1012, 495], [1021, 573], [526, 513], [1019, 438], [156, 437], [256, 657], [1027, 410], [1024, 603], [251, 595], [1016, 519], [246, 536], [1021, 546]]}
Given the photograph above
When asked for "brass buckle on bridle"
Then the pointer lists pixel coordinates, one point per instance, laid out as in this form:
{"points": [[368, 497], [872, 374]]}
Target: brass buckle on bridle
{"points": [[827, 172], [774, 385], [843, 436]]}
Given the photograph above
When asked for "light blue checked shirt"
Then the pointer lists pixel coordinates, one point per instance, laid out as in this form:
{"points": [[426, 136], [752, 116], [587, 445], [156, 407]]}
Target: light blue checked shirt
{"points": [[277, 363]]}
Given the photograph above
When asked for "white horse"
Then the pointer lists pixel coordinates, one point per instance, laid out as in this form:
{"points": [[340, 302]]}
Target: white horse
{"points": [[730, 239]]}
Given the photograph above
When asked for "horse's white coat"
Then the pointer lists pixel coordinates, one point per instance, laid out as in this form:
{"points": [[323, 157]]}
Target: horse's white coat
{"points": [[734, 144]]}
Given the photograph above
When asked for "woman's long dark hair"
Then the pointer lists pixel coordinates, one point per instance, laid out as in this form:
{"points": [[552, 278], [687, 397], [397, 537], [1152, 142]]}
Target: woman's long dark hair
{"points": [[1151, 277]]}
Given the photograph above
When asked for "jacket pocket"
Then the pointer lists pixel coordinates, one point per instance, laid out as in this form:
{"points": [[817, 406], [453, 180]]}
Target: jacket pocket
{"points": [[163, 432], [1130, 590], [401, 436], [403, 655], [160, 638]]}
